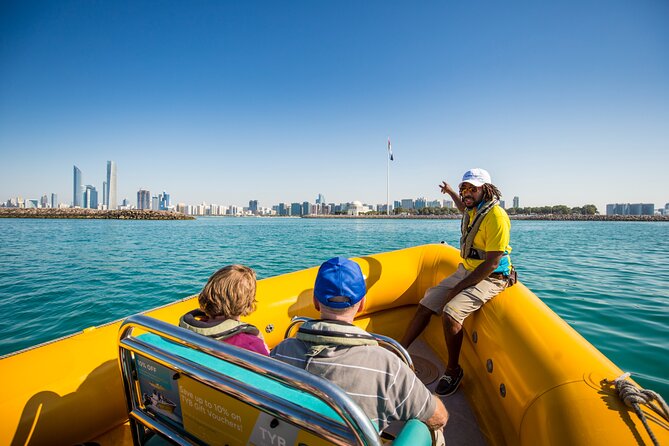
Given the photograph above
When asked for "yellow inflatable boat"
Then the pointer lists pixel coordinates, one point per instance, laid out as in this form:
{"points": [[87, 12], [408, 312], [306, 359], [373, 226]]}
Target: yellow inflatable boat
{"points": [[530, 379]]}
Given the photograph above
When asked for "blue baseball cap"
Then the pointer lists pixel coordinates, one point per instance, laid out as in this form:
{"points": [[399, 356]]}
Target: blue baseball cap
{"points": [[339, 277]]}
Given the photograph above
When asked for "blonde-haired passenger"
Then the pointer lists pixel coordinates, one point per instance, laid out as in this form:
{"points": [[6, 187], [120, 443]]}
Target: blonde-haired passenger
{"points": [[229, 294]]}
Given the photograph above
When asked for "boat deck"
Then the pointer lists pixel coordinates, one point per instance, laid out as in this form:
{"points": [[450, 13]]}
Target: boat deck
{"points": [[462, 428]]}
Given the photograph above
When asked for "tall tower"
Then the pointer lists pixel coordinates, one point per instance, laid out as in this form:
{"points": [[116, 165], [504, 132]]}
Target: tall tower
{"points": [[164, 201], [516, 202], [76, 188], [90, 200], [112, 203], [143, 199]]}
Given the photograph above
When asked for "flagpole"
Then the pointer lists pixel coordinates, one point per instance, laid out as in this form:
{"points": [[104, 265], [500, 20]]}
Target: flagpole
{"points": [[389, 159], [388, 184]]}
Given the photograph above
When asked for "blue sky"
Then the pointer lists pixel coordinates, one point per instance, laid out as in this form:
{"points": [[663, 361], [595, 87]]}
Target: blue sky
{"points": [[563, 102]]}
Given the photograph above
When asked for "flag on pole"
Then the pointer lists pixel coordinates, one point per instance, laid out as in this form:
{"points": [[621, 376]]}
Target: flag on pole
{"points": [[390, 151]]}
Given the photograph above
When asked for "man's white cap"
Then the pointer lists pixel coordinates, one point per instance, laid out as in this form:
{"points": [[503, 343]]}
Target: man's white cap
{"points": [[476, 177]]}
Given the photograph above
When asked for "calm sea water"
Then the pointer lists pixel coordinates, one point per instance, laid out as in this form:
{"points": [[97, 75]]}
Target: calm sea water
{"points": [[609, 280]]}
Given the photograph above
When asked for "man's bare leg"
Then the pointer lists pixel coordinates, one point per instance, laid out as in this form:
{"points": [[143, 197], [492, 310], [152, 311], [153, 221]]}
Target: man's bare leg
{"points": [[449, 382], [454, 335], [417, 325]]}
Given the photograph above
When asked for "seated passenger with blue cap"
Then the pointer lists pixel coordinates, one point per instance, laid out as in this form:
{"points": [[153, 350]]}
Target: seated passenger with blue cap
{"points": [[384, 387]]}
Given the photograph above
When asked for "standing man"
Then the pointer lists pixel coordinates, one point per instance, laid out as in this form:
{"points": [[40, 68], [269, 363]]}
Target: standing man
{"points": [[485, 270], [384, 387]]}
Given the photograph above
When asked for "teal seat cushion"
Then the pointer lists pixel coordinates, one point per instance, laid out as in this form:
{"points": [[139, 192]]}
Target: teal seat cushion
{"points": [[414, 433]]}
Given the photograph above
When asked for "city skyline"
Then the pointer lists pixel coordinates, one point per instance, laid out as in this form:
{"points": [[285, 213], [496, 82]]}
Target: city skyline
{"points": [[563, 103], [87, 197], [111, 173]]}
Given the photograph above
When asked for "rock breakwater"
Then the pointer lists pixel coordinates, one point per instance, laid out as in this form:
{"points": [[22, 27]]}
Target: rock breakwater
{"points": [[124, 214]]}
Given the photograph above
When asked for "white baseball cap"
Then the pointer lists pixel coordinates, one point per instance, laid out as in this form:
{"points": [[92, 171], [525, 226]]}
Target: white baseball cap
{"points": [[476, 177]]}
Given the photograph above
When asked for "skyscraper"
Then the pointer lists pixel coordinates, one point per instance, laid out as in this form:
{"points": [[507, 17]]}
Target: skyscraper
{"points": [[516, 202], [90, 199], [54, 201], [112, 203], [407, 203], [105, 199], [76, 188], [283, 209], [143, 199], [164, 201], [253, 206]]}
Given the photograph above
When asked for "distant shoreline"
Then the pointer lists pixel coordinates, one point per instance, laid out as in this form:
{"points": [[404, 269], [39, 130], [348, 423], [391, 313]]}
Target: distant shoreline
{"points": [[549, 217], [125, 214], [134, 214]]}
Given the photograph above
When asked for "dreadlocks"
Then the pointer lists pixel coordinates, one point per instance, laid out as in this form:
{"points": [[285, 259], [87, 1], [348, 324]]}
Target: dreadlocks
{"points": [[490, 192]]}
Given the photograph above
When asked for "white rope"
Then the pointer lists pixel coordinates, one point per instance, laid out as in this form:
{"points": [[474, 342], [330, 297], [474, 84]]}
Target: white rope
{"points": [[632, 396]]}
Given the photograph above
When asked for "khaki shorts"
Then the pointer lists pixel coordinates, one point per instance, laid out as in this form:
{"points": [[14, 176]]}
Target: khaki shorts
{"points": [[467, 301]]}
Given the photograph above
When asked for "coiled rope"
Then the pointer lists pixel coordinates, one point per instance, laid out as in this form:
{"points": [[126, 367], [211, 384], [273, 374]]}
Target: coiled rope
{"points": [[632, 396]]}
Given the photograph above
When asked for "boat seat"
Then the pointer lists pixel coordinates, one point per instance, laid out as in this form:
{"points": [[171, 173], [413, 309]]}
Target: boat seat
{"points": [[384, 341], [184, 388]]}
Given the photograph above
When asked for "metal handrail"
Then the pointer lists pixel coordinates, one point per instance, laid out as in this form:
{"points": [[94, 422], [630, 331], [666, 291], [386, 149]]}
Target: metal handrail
{"points": [[384, 341], [358, 425]]}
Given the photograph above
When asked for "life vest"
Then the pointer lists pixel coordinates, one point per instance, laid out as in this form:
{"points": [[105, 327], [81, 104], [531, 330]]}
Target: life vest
{"points": [[215, 329], [467, 250], [321, 334]]}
